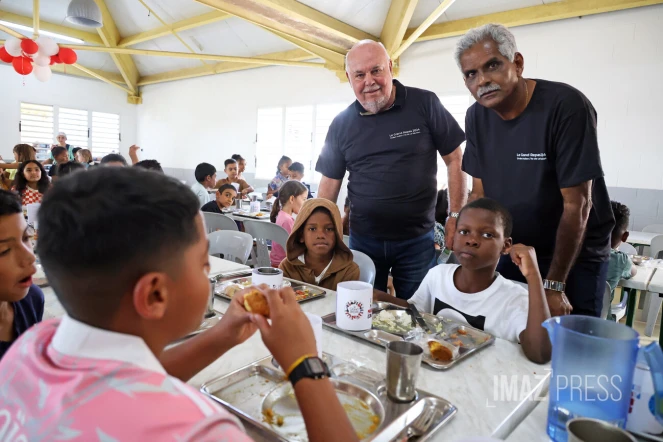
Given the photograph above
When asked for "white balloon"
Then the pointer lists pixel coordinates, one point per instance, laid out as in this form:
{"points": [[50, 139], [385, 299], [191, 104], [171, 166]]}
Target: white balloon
{"points": [[13, 47], [47, 46], [42, 60], [42, 73]]}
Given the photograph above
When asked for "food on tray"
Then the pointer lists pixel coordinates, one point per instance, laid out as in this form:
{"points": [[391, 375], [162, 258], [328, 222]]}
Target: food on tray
{"points": [[462, 331], [260, 214], [232, 289], [439, 351], [268, 415], [255, 302], [301, 294], [279, 421], [393, 321], [458, 343]]}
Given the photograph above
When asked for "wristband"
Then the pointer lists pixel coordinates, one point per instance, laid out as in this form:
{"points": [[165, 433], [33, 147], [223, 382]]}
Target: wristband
{"points": [[297, 362]]}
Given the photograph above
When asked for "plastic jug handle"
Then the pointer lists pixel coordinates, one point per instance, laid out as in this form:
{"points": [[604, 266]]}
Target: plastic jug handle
{"points": [[654, 357], [550, 325]]}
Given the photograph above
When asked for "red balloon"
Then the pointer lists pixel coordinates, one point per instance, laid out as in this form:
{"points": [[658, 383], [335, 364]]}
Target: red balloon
{"points": [[30, 47], [22, 65], [4, 56], [68, 56], [55, 59]]}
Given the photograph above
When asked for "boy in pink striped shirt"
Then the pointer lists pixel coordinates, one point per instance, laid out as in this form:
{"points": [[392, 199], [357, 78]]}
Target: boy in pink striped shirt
{"points": [[126, 253]]}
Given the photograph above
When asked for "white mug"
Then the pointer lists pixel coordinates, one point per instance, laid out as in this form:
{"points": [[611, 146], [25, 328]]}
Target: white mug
{"points": [[267, 275], [236, 186], [32, 211], [353, 305], [316, 325]]}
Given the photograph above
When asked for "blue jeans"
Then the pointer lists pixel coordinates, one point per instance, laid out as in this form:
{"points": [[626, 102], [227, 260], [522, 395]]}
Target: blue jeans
{"points": [[585, 284], [409, 260]]}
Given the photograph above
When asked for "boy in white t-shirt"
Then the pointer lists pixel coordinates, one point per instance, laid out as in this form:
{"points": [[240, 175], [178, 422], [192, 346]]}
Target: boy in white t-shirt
{"points": [[474, 293]]}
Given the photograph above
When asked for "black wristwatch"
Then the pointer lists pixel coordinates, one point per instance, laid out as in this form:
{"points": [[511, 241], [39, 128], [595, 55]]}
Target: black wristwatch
{"points": [[313, 368]]}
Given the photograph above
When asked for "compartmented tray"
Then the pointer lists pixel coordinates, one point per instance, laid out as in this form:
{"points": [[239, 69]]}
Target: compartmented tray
{"points": [[303, 292], [463, 340], [258, 215], [251, 390]]}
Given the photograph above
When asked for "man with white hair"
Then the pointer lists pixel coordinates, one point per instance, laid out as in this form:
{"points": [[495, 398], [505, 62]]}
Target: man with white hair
{"points": [[389, 140], [532, 146]]}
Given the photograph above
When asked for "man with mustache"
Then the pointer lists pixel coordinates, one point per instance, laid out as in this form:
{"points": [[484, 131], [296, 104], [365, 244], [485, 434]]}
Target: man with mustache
{"points": [[532, 146], [389, 140]]}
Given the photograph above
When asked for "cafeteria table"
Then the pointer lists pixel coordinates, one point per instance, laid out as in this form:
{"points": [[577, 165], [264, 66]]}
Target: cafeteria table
{"points": [[641, 239], [637, 284], [655, 290]]}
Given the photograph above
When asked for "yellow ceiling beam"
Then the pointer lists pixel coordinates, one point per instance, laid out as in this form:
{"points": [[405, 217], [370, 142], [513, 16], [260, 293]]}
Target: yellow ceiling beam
{"points": [[111, 36], [11, 32], [441, 9], [294, 55], [395, 25], [333, 58], [35, 19], [88, 73], [87, 37], [532, 15], [212, 57], [98, 76], [183, 25], [293, 18]]}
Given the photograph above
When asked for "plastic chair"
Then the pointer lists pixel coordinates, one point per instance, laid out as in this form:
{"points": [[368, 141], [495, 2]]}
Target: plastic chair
{"points": [[263, 232], [366, 266], [619, 310], [653, 228], [606, 310], [627, 248], [215, 221], [656, 247], [234, 246], [346, 240]]}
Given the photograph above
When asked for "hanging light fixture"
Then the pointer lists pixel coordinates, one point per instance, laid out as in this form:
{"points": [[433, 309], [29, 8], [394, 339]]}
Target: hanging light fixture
{"points": [[84, 13]]}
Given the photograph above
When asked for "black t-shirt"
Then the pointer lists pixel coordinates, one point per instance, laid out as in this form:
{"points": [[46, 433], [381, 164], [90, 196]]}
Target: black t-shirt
{"points": [[523, 163], [212, 207], [392, 160], [27, 312]]}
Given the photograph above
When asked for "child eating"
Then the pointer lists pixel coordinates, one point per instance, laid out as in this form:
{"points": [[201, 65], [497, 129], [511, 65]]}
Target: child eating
{"points": [[231, 172], [291, 197], [225, 197], [620, 265], [316, 252], [31, 182], [21, 302], [131, 283], [473, 293]]}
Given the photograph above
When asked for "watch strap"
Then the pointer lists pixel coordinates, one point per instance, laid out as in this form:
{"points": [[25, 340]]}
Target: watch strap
{"points": [[556, 286], [454, 214], [311, 367]]}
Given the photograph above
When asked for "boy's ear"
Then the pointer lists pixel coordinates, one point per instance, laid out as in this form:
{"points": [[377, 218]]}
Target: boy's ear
{"points": [[150, 295], [625, 236], [508, 243]]}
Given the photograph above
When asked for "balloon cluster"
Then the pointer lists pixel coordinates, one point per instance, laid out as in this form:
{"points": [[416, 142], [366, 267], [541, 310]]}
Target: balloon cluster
{"points": [[28, 56]]}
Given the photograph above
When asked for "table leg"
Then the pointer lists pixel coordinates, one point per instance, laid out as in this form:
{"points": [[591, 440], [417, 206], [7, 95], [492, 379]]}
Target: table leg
{"points": [[631, 306]]}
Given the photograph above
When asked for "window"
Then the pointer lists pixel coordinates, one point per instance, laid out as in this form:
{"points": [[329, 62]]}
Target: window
{"points": [[74, 123], [457, 106], [105, 134], [298, 132], [37, 124]]}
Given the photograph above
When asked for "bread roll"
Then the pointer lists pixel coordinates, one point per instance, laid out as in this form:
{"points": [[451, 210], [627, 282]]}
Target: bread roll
{"points": [[255, 302]]}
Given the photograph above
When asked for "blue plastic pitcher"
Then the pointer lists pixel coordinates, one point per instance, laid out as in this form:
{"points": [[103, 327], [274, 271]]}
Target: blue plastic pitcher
{"points": [[593, 361]]}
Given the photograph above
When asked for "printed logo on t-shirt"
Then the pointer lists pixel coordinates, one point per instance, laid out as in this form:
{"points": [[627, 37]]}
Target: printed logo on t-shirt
{"points": [[531, 157], [478, 322], [405, 133]]}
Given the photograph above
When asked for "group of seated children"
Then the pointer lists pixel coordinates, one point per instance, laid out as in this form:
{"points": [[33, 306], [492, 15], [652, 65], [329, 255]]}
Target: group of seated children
{"points": [[108, 351], [232, 177]]}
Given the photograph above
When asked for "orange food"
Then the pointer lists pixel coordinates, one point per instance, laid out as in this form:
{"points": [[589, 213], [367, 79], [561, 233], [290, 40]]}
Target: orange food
{"points": [[268, 415], [462, 331], [439, 351], [454, 336], [458, 343], [255, 302]]}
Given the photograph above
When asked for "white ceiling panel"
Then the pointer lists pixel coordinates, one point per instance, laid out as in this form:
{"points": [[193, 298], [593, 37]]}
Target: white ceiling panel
{"points": [[52, 11], [131, 17], [148, 65], [367, 15]]}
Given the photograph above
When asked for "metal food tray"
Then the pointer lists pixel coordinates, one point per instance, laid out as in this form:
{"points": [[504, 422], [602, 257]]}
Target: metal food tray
{"points": [[252, 216], [221, 284], [473, 341], [205, 325], [244, 390]]}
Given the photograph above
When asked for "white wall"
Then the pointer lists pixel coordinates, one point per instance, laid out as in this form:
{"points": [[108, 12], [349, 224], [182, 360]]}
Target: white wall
{"points": [[64, 91], [615, 59]]}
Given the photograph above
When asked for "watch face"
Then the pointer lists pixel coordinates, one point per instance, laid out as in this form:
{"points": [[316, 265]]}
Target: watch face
{"points": [[316, 365]]}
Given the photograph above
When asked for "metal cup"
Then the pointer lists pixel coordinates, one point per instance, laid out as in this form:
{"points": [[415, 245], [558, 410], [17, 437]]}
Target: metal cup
{"points": [[403, 363], [238, 202], [210, 302], [584, 429]]}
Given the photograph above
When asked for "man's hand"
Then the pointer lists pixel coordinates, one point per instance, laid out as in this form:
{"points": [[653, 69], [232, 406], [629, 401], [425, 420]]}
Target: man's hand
{"points": [[558, 303], [235, 325], [449, 232], [525, 258]]}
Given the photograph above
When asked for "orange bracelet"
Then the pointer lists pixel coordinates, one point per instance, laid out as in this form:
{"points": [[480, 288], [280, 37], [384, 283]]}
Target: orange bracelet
{"points": [[296, 363]]}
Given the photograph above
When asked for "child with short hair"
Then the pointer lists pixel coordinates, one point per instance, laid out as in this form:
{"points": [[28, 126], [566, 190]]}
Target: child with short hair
{"points": [[113, 160], [473, 293], [241, 165], [225, 197], [296, 173], [31, 182], [317, 254], [61, 156], [281, 177], [292, 196], [231, 172], [205, 175], [68, 168], [21, 301], [620, 265], [132, 283]]}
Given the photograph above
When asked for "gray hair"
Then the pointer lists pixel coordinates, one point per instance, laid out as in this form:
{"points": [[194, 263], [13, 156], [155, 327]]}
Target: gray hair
{"points": [[506, 42], [362, 43]]}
